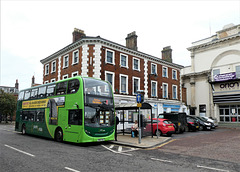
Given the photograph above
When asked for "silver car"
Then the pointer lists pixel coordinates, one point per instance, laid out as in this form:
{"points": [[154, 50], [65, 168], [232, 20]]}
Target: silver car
{"points": [[212, 120]]}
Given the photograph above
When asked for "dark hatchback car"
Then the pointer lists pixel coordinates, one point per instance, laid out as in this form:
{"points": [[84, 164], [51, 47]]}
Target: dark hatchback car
{"points": [[192, 123], [204, 124], [179, 119]]}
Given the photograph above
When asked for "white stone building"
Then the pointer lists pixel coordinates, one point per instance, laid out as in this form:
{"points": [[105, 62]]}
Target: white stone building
{"points": [[213, 79]]}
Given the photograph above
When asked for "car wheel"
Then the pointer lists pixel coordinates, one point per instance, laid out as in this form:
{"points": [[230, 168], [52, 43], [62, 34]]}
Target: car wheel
{"points": [[59, 135], [23, 130], [200, 128]]}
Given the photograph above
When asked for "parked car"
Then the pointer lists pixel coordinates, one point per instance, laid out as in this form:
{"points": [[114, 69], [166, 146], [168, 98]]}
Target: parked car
{"points": [[193, 124], [164, 126], [212, 120], [204, 124], [179, 119]]}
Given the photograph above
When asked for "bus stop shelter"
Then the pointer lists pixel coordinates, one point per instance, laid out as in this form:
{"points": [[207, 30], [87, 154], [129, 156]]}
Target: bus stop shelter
{"points": [[133, 106]]}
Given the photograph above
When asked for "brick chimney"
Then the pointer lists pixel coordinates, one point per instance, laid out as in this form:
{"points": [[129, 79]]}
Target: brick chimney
{"points": [[33, 81], [131, 41], [167, 54], [16, 85], [78, 34]]}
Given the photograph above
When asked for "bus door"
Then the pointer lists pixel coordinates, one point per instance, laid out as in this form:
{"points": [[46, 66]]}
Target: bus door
{"points": [[74, 126]]}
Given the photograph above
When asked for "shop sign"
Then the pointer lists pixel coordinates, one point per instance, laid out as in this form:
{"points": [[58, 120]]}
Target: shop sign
{"points": [[229, 85], [225, 76]]}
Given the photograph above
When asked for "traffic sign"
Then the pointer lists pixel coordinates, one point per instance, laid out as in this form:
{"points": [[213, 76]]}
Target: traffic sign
{"points": [[139, 98], [139, 105]]}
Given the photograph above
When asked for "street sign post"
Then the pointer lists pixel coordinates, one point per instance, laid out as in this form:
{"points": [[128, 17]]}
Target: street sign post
{"points": [[139, 99]]}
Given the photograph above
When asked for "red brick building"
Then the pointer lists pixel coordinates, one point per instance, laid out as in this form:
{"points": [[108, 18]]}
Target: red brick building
{"points": [[126, 68]]}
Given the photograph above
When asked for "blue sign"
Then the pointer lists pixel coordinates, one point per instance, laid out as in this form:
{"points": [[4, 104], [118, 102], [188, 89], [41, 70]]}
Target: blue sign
{"points": [[139, 98]]}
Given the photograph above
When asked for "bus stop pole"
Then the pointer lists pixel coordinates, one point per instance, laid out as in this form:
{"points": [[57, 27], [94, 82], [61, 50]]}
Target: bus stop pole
{"points": [[139, 127]]}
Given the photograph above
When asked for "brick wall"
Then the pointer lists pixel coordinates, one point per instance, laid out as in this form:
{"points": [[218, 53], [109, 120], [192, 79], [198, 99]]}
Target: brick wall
{"points": [[117, 69]]}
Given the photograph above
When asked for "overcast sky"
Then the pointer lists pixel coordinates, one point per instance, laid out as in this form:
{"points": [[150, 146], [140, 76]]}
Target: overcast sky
{"points": [[33, 30]]}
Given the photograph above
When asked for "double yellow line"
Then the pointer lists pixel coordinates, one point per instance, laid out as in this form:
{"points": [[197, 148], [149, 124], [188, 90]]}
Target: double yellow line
{"points": [[162, 144]]}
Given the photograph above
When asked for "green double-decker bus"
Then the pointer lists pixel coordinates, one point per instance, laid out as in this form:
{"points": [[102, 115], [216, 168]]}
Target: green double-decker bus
{"points": [[78, 109]]}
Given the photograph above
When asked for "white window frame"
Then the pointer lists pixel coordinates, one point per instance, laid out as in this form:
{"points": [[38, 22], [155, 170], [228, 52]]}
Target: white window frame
{"points": [[65, 76], [113, 78], [164, 67], [133, 85], [65, 66], [74, 73], [163, 90], [138, 64], [113, 58], [47, 71], [46, 82], [122, 75], [52, 71], [237, 71], [121, 54], [155, 88], [173, 70], [53, 80], [173, 92], [73, 58], [153, 64]]}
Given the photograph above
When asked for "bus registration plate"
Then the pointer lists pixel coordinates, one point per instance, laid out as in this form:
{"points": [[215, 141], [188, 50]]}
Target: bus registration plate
{"points": [[100, 140]]}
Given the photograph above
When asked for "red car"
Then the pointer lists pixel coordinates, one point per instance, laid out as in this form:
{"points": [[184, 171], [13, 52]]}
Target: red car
{"points": [[165, 126]]}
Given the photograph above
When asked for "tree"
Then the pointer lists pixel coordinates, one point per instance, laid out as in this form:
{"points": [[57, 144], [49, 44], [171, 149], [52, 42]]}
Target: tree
{"points": [[8, 105]]}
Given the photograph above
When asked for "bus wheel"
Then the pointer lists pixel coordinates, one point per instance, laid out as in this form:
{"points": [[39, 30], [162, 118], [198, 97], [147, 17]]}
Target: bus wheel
{"points": [[59, 135], [23, 130]]}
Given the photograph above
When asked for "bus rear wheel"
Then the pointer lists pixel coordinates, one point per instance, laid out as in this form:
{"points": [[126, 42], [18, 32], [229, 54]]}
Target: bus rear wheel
{"points": [[23, 130], [59, 135]]}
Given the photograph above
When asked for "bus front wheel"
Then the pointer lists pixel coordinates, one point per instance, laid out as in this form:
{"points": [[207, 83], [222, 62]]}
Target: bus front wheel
{"points": [[23, 130], [59, 135]]}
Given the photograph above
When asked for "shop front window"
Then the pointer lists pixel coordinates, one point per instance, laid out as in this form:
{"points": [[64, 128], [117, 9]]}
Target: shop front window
{"points": [[229, 113]]}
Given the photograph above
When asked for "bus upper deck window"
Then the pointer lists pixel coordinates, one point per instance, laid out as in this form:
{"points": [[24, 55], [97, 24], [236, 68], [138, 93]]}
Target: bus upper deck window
{"points": [[34, 93], [27, 95], [50, 90], [73, 86], [21, 95], [42, 92], [61, 88]]}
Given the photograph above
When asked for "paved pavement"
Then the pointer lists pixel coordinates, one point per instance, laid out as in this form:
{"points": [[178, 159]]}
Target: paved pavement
{"points": [[146, 142]]}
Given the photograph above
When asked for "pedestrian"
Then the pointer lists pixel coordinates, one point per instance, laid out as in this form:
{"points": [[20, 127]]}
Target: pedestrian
{"points": [[116, 123], [134, 129]]}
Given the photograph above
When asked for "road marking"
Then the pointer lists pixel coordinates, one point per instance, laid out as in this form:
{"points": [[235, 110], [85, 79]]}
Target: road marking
{"points": [[116, 151], [111, 146], [211, 168], [162, 160], [120, 149], [162, 144], [19, 150], [67, 168]]}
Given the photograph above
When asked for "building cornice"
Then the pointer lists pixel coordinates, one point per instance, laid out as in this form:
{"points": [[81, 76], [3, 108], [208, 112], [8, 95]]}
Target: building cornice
{"points": [[108, 43], [214, 42], [195, 74]]}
